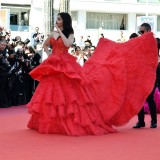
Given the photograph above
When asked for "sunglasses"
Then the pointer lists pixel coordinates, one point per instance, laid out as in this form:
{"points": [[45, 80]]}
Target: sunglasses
{"points": [[141, 32]]}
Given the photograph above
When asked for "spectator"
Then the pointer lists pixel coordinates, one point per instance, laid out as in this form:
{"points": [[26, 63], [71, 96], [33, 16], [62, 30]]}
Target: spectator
{"points": [[88, 42], [102, 35], [37, 37], [133, 35], [79, 55]]}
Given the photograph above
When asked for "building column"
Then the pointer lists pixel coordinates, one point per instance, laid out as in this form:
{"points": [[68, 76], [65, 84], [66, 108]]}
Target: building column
{"points": [[81, 22], [5, 18], [132, 23]]}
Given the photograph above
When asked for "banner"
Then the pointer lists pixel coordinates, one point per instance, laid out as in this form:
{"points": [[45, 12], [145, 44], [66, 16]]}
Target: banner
{"points": [[152, 20], [5, 18]]}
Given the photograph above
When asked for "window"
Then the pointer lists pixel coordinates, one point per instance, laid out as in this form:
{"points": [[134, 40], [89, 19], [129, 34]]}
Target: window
{"points": [[158, 23], [111, 21], [74, 15], [149, 1], [13, 19]]}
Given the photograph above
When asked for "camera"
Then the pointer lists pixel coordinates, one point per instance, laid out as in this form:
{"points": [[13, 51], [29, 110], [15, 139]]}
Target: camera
{"points": [[19, 53], [26, 41], [3, 61], [1, 33]]}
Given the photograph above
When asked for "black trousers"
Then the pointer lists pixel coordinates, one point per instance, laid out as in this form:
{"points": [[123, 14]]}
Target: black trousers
{"points": [[152, 108], [3, 90]]}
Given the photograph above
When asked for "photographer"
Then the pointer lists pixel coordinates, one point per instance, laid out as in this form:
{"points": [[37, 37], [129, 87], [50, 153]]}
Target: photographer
{"points": [[37, 36], [17, 78], [31, 63], [4, 67], [4, 64], [2, 33]]}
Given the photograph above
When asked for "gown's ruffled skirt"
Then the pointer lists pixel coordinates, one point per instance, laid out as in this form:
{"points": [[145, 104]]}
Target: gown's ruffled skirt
{"points": [[109, 90]]}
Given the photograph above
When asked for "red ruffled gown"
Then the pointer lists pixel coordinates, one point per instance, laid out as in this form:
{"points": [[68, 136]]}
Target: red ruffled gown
{"points": [[108, 91]]}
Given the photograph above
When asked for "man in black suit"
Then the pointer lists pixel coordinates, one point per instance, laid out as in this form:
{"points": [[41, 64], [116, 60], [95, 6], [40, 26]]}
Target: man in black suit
{"points": [[144, 28]]}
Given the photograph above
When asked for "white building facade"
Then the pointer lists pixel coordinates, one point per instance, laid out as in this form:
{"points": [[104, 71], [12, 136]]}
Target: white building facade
{"points": [[90, 17]]}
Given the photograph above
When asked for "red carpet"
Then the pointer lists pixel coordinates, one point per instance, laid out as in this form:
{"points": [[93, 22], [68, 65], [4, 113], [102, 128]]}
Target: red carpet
{"points": [[17, 142]]}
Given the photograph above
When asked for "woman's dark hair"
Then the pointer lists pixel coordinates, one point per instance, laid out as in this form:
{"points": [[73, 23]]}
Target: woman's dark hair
{"points": [[77, 48], [31, 49], [67, 24]]}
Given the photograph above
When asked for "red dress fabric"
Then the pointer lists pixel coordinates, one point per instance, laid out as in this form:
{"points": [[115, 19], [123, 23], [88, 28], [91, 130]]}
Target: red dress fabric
{"points": [[108, 91], [124, 75]]}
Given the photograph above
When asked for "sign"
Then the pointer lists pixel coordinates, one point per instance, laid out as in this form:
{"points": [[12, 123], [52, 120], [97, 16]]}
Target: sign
{"points": [[152, 20]]}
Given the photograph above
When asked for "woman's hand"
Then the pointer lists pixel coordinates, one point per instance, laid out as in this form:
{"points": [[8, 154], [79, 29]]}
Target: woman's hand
{"points": [[58, 29]]}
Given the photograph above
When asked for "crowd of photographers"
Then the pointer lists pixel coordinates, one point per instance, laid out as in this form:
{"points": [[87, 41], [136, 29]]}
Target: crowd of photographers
{"points": [[17, 59]]}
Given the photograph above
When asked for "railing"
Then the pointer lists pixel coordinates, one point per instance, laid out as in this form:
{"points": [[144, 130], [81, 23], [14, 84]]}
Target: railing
{"points": [[22, 28]]}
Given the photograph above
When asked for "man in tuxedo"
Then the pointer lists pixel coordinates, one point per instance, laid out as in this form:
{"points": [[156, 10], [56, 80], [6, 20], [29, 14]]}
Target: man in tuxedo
{"points": [[144, 28]]}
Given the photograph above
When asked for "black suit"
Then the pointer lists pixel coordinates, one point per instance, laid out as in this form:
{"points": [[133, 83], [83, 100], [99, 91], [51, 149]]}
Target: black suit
{"points": [[152, 108], [150, 98]]}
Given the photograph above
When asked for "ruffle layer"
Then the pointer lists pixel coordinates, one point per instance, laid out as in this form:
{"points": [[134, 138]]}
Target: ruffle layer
{"points": [[63, 63], [63, 105]]}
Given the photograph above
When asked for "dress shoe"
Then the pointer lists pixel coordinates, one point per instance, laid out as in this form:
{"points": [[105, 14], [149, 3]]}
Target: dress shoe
{"points": [[153, 125], [139, 125]]}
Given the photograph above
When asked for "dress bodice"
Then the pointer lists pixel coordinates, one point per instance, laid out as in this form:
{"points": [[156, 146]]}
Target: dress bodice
{"points": [[58, 46]]}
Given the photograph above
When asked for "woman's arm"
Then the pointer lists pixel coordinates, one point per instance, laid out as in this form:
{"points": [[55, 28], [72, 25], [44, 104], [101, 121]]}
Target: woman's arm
{"points": [[67, 41], [46, 44]]}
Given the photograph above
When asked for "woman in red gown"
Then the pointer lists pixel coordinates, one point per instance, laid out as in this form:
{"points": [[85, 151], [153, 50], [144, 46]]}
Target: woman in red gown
{"points": [[108, 91]]}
